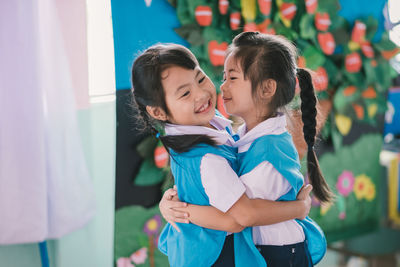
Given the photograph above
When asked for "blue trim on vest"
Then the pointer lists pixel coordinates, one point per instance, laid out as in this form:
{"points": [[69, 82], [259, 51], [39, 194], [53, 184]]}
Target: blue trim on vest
{"points": [[219, 114], [195, 245], [280, 151]]}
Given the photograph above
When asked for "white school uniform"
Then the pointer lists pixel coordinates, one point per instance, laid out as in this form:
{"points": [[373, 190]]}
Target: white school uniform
{"points": [[265, 182], [222, 185]]}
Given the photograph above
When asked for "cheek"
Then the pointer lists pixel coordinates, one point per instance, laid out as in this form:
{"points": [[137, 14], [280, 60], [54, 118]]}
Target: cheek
{"points": [[211, 87]]}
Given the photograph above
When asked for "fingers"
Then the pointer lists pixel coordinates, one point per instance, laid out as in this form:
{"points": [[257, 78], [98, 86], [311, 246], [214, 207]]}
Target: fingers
{"points": [[175, 198], [308, 188], [173, 223], [169, 194], [181, 221], [175, 226], [168, 206], [179, 214], [304, 191], [176, 204]]}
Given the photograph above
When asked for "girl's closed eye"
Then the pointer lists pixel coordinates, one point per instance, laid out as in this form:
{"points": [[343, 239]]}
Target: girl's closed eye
{"points": [[185, 94], [202, 79]]}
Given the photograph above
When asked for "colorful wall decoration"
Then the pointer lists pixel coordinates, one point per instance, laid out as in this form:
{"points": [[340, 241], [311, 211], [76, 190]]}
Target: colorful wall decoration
{"points": [[349, 59], [136, 236], [350, 63]]}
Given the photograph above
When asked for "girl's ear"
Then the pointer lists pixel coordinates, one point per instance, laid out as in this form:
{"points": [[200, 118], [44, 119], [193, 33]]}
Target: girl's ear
{"points": [[268, 89], [156, 113]]}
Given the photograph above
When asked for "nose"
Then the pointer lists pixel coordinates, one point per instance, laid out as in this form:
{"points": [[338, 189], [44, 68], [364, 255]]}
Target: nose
{"points": [[223, 87]]}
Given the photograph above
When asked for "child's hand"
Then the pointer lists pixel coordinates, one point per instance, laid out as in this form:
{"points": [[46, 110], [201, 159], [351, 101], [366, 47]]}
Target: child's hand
{"points": [[304, 197], [167, 206]]}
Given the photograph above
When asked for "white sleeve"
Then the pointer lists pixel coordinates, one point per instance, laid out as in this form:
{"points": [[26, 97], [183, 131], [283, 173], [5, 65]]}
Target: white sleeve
{"points": [[221, 184], [265, 182]]}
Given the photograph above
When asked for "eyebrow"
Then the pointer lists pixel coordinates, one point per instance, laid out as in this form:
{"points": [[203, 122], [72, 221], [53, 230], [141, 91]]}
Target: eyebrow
{"points": [[186, 84], [232, 70]]}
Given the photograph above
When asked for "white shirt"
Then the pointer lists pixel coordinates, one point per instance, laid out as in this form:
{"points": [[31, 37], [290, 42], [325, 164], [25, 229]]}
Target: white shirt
{"points": [[221, 184], [265, 182]]}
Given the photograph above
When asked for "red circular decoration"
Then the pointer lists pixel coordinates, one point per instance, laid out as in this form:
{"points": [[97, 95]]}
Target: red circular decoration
{"points": [[203, 15], [161, 157], [327, 42], [358, 33], [311, 6], [322, 21], [235, 20], [216, 52], [265, 6], [321, 79], [288, 10], [367, 50], [223, 6], [353, 62], [250, 27]]}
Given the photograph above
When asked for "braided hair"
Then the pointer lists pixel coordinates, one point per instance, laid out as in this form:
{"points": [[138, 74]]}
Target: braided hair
{"points": [[308, 116], [263, 57], [147, 90]]}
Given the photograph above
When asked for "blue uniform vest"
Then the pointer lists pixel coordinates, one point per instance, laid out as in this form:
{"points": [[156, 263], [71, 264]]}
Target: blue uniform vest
{"points": [[194, 245], [280, 151]]}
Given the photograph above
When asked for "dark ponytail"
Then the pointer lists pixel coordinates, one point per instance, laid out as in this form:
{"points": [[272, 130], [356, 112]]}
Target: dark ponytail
{"points": [[147, 90], [309, 113]]}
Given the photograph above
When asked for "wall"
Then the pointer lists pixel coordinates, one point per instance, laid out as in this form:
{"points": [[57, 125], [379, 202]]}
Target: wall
{"points": [[88, 38]]}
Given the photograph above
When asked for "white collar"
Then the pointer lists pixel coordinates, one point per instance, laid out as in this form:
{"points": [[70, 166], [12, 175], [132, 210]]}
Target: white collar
{"points": [[275, 126], [220, 134]]}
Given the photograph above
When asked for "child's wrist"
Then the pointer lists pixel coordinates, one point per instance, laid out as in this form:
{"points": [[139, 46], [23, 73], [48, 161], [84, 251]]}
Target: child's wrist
{"points": [[301, 207]]}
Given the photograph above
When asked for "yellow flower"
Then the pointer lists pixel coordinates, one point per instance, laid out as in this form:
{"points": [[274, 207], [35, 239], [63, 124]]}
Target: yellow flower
{"points": [[249, 10], [325, 208], [372, 109], [343, 123], [152, 224], [353, 46], [361, 186], [371, 191]]}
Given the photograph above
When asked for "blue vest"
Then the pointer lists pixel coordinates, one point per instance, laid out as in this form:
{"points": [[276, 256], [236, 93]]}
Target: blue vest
{"points": [[280, 151], [194, 245]]}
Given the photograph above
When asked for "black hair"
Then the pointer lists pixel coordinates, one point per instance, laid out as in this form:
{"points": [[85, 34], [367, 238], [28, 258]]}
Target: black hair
{"points": [[147, 90], [264, 56]]}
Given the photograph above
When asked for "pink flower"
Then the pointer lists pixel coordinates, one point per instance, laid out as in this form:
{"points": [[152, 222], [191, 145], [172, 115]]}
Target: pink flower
{"points": [[342, 215], [139, 256], [345, 183], [124, 262]]}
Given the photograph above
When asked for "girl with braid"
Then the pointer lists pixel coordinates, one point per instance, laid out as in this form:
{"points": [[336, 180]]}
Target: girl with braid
{"points": [[259, 80], [172, 93]]}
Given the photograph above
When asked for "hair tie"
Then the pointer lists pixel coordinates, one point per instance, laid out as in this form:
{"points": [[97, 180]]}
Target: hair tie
{"points": [[158, 135]]}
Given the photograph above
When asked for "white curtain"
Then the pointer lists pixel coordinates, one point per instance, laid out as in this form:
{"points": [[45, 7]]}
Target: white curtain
{"points": [[45, 188]]}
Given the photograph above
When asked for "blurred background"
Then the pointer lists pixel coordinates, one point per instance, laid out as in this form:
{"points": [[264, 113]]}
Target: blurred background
{"points": [[80, 185]]}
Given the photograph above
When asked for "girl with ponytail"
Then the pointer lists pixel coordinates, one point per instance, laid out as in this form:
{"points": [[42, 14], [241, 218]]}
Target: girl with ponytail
{"points": [[260, 76], [173, 95]]}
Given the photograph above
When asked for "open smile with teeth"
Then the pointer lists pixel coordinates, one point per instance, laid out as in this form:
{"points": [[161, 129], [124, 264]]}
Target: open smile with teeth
{"points": [[205, 107]]}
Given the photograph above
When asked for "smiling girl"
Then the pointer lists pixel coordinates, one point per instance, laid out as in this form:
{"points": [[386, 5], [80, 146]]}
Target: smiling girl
{"points": [[259, 81], [171, 92]]}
